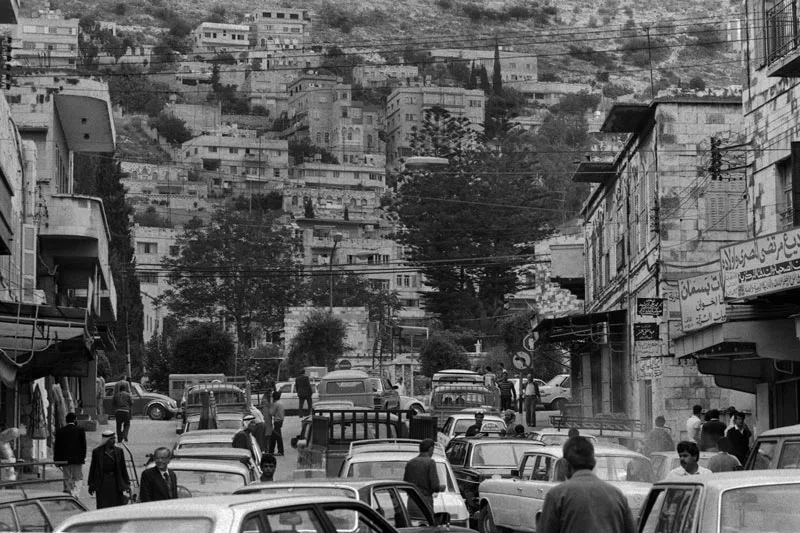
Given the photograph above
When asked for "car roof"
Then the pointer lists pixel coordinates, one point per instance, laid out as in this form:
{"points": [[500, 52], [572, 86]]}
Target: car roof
{"points": [[399, 455], [744, 478], [203, 434], [466, 386], [355, 484], [599, 449], [211, 452], [782, 432], [203, 507], [346, 374], [209, 465], [226, 415], [200, 387], [21, 494], [674, 453], [471, 416], [359, 447]]}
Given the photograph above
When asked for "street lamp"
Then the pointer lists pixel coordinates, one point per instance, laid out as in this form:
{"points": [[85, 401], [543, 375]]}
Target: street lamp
{"points": [[337, 237]]}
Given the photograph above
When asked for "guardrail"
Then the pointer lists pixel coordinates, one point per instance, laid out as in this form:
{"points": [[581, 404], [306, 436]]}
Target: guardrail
{"points": [[30, 478]]}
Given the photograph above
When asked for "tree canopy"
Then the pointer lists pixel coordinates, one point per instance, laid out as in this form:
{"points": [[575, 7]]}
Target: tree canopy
{"points": [[320, 341], [203, 348], [442, 351]]}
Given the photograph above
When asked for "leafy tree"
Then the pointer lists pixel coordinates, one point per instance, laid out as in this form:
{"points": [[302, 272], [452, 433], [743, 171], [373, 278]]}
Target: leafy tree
{"points": [[223, 58], [173, 129], [241, 268], [440, 352], [697, 83], [340, 63], [158, 358], [300, 150], [352, 290], [135, 92], [259, 362], [203, 348], [320, 341], [151, 219]]}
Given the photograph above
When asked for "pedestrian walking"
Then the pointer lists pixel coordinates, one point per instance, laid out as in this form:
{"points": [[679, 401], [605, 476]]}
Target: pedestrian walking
{"points": [[502, 372], [70, 446], [507, 393], [263, 431], [532, 399], [278, 412], [723, 461], [243, 438], [693, 424], [122, 404], [658, 439], [584, 502], [713, 430], [108, 475], [421, 472], [740, 437], [489, 377], [268, 466], [302, 385], [689, 454], [159, 483]]}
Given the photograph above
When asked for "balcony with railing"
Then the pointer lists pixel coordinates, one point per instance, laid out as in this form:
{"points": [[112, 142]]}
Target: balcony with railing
{"points": [[781, 39]]}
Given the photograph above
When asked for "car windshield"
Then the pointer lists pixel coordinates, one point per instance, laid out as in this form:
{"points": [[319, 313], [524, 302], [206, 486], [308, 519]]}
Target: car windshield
{"points": [[394, 470], [194, 483], [463, 425], [756, 509], [500, 454], [193, 445], [146, 525], [555, 381], [623, 468]]}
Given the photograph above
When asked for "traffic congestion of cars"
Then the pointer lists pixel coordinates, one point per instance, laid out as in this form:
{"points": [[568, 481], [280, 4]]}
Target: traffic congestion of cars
{"points": [[349, 477]]}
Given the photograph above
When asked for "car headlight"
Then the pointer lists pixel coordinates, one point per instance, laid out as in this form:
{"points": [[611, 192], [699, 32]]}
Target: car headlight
{"points": [[173, 404]]}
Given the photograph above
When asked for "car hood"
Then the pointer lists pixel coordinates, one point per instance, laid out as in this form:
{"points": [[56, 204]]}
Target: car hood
{"points": [[157, 396], [634, 492], [450, 502]]}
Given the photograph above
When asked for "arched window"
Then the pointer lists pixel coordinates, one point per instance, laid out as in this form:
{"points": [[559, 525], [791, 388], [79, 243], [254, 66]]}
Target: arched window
{"points": [[319, 138], [353, 202], [350, 134], [294, 200], [339, 201], [369, 141], [327, 138], [364, 202], [358, 134]]}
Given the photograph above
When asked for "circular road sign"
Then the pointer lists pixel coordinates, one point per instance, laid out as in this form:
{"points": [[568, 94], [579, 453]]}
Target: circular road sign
{"points": [[344, 364], [522, 360], [529, 342]]}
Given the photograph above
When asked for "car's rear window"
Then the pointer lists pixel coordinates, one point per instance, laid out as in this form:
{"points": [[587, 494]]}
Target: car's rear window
{"points": [[770, 508], [394, 470], [147, 525], [347, 431], [195, 483], [622, 468], [503, 454], [345, 387], [61, 509]]}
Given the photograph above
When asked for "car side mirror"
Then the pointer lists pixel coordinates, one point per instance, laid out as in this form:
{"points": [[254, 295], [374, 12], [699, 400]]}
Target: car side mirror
{"points": [[396, 387], [442, 519], [515, 472]]}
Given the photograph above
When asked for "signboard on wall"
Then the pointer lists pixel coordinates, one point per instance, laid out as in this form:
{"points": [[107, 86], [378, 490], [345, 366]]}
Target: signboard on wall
{"points": [[650, 368], [646, 349], [646, 331], [702, 301], [650, 307], [762, 265]]}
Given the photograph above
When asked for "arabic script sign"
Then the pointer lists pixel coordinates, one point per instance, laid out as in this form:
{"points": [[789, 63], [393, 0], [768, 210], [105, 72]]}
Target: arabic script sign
{"points": [[647, 331], [647, 349], [702, 302], [650, 368], [650, 306], [761, 266]]}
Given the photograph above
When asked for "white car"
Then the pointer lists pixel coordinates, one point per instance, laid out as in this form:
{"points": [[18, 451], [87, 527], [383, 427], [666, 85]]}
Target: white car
{"points": [[557, 393], [459, 423], [387, 458]]}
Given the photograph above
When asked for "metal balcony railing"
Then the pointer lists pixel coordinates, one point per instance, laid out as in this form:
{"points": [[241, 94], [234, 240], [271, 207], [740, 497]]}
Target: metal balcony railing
{"points": [[781, 30]]}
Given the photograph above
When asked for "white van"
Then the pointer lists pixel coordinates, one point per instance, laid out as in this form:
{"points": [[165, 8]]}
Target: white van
{"points": [[360, 388]]}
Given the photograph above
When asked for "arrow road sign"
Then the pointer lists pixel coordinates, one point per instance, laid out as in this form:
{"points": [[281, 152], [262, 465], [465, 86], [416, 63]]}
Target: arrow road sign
{"points": [[529, 342], [522, 360]]}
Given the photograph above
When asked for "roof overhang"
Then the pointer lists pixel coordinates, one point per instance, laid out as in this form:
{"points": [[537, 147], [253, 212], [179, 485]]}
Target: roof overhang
{"points": [[87, 123], [773, 339], [594, 172], [627, 118], [598, 328], [9, 11]]}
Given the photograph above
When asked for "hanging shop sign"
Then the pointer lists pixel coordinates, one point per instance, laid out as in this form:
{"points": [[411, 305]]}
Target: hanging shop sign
{"points": [[762, 265], [702, 301]]}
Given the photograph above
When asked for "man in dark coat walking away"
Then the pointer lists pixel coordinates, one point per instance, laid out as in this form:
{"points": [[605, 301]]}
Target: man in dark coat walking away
{"points": [[108, 474], [713, 430], [421, 471], [739, 436], [584, 502], [302, 386], [70, 446], [159, 483], [658, 439]]}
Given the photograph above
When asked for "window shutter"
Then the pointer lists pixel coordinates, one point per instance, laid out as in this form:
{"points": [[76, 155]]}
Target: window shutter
{"points": [[715, 203], [28, 262], [795, 166], [755, 27], [737, 216]]}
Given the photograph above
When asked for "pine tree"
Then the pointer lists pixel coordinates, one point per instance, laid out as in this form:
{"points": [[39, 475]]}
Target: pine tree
{"points": [[497, 78]]}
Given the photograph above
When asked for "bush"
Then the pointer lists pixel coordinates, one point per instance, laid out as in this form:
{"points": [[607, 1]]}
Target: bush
{"points": [[119, 9], [615, 91], [697, 83], [444, 5]]}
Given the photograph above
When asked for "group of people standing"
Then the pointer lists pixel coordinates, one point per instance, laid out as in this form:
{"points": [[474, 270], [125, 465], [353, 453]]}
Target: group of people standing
{"points": [[530, 394]]}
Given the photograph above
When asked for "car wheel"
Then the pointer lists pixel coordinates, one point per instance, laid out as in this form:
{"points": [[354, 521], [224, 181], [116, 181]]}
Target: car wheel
{"points": [[558, 405], [417, 409], [156, 412], [486, 520]]}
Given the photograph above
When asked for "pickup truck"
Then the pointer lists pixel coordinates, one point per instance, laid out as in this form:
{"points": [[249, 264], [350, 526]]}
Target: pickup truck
{"points": [[447, 400], [515, 503]]}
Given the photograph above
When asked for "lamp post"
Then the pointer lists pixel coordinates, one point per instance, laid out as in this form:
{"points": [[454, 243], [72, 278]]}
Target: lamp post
{"points": [[337, 237]]}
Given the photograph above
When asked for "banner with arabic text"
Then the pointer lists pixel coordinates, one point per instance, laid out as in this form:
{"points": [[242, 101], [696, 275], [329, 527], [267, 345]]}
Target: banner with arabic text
{"points": [[762, 265], [702, 302]]}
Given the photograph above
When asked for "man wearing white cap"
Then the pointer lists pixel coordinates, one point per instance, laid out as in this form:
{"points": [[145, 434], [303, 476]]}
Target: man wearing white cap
{"points": [[242, 438], [108, 475]]}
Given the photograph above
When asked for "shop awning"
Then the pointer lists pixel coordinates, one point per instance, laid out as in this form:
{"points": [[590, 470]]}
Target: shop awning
{"points": [[600, 328], [773, 339]]}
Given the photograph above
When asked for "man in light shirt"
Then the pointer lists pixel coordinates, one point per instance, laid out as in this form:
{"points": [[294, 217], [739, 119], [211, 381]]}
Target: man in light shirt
{"points": [[693, 424], [689, 453]]}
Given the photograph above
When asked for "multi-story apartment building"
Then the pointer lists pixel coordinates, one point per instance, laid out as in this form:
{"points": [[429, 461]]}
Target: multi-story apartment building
{"points": [[46, 41], [549, 93], [218, 37], [55, 311], [280, 29], [164, 188], [383, 75], [405, 111], [754, 344], [321, 108], [151, 245], [656, 215], [514, 66]]}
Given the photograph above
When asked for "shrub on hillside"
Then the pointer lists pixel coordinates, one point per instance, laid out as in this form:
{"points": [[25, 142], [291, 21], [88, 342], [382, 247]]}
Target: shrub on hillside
{"points": [[697, 83], [613, 90], [639, 51]]}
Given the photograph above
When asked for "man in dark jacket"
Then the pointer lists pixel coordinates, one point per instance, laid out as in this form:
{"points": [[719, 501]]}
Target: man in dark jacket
{"points": [[243, 439], [302, 386], [739, 436], [421, 471], [584, 502], [159, 483], [108, 473], [713, 429], [70, 446]]}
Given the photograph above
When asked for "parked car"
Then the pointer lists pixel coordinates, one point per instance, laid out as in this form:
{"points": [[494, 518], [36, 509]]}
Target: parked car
{"points": [[664, 462], [360, 388], [557, 392], [777, 448], [556, 436], [409, 403], [458, 424], [387, 459], [245, 513], [476, 458], [36, 510], [224, 421], [156, 406], [227, 454], [209, 477], [729, 502], [325, 438], [399, 502], [515, 502]]}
